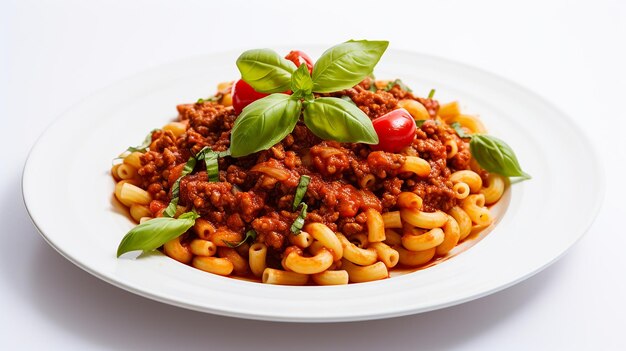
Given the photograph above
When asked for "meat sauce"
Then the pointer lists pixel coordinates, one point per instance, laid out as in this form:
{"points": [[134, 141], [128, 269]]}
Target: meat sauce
{"points": [[337, 196]]}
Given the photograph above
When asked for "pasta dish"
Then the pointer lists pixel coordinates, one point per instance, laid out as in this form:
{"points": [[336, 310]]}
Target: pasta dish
{"points": [[312, 173]]}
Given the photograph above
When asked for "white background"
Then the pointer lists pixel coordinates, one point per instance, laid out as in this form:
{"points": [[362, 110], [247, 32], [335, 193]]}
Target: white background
{"points": [[54, 53]]}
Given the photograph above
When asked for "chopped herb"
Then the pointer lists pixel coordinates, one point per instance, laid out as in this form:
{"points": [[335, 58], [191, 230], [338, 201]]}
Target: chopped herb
{"points": [[249, 234], [214, 98], [170, 211], [145, 145], [301, 190], [399, 83], [210, 159], [419, 122], [459, 130], [297, 225], [431, 94]]}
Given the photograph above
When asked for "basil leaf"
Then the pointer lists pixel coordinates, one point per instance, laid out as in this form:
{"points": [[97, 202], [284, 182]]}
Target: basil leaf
{"points": [[494, 155], [171, 207], [431, 94], [144, 146], [459, 130], [398, 82], [301, 82], [348, 99], [151, 234], [265, 70], [419, 122], [303, 184], [264, 123], [336, 119], [249, 234], [298, 223], [345, 65]]}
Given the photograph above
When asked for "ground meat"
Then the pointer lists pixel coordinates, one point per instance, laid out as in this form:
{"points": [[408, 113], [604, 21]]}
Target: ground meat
{"points": [[257, 191]]}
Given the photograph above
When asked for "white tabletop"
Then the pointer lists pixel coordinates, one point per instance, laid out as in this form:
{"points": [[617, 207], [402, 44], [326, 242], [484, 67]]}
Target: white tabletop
{"points": [[52, 54]]}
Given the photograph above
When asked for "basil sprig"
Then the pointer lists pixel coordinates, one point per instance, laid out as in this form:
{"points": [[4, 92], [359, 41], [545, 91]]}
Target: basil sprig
{"points": [[267, 121], [151, 234], [492, 154]]}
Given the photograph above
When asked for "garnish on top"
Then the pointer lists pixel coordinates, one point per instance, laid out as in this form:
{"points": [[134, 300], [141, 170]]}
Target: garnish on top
{"points": [[266, 121]]}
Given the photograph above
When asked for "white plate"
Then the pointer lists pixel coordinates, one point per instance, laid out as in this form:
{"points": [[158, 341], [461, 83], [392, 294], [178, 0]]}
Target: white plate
{"points": [[68, 192]]}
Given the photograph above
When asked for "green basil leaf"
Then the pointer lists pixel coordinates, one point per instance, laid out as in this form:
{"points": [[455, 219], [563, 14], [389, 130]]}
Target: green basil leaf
{"points": [[345, 65], [303, 185], [298, 223], [398, 82], [419, 122], [336, 119], [494, 155], [249, 234], [171, 207], [264, 123], [144, 146], [151, 234], [265, 70], [301, 82]]}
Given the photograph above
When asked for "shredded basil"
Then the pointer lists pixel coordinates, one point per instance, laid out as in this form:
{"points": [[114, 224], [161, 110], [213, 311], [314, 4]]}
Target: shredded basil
{"points": [[459, 130], [399, 83], [214, 98], [145, 145], [210, 159], [303, 185], [298, 223], [171, 207], [249, 234]]}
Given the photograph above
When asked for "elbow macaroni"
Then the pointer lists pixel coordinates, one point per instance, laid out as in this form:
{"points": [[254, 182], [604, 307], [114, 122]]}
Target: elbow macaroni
{"points": [[405, 234]]}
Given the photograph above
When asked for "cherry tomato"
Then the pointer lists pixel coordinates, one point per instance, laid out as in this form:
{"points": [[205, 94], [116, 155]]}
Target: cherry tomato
{"points": [[395, 130], [243, 95], [298, 57]]}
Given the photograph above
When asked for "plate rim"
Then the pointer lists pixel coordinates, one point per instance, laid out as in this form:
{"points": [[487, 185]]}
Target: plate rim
{"points": [[597, 166]]}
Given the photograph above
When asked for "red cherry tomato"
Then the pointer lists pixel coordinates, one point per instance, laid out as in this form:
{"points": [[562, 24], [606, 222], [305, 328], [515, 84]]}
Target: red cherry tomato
{"points": [[243, 95], [395, 130], [298, 57]]}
